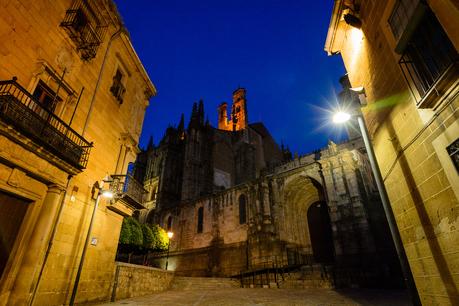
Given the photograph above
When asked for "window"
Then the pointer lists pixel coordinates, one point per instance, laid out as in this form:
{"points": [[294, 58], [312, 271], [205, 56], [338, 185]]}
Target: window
{"points": [[84, 24], [46, 96], [200, 219], [429, 61], [453, 152], [401, 15], [242, 210], [117, 88]]}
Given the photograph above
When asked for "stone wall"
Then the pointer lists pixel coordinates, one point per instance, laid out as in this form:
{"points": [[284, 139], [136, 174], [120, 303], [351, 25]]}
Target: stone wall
{"points": [[278, 226], [410, 144], [133, 280], [35, 48]]}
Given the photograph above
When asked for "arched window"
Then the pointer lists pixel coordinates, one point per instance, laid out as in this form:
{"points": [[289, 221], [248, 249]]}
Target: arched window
{"points": [[169, 223], [200, 219], [242, 210]]}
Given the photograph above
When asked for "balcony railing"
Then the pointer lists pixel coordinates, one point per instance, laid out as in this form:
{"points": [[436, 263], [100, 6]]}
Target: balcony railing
{"points": [[84, 24], [429, 62], [126, 187], [20, 109]]}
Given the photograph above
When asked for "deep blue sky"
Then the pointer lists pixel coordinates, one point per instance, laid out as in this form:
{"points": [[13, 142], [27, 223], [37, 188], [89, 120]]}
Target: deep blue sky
{"points": [[195, 49]]}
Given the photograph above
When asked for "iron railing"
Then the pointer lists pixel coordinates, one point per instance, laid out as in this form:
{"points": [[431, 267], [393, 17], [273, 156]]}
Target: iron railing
{"points": [[84, 24], [20, 109], [125, 186], [429, 58]]}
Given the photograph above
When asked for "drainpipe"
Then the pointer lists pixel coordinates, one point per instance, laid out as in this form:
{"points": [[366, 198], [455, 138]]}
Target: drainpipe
{"points": [[50, 243], [93, 98]]}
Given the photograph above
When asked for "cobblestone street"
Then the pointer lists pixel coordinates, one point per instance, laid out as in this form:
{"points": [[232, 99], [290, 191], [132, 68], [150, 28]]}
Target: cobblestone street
{"points": [[271, 297]]}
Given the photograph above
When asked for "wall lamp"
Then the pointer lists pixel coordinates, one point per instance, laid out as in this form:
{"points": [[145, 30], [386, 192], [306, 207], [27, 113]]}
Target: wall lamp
{"points": [[353, 20]]}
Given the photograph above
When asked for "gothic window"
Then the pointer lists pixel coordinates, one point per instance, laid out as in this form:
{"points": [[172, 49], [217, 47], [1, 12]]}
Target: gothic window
{"points": [[153, 194], [453, 152], [118, 88], [46, 96], [169, 223], [242, 210], [427, 54], [85, 26], [200, 219]]}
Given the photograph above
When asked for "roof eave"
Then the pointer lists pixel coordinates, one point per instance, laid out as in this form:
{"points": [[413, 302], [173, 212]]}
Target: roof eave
{"points": [[332, 28]]}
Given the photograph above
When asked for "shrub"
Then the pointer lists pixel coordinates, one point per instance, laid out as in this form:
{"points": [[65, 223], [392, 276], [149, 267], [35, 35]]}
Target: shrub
{"points": [[160, 237], [148, 237]]}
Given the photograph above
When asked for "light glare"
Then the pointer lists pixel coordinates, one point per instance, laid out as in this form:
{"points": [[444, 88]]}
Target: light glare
{"points": [[170, 234], [341, 117], [107, 194]]}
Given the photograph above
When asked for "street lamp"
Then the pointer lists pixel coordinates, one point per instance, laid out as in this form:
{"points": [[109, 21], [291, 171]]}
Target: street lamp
{"points": [[342, 117], [106, 193], [170, 235]]}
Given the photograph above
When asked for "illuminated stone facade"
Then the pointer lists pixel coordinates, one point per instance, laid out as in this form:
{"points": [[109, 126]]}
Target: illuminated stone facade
{"points": [[235, 200], [238, 119], [405, 56], [73, 115]]}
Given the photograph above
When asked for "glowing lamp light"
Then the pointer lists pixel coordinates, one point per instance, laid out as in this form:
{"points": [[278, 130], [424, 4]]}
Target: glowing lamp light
{"points": [[341, 117], [107, 194], [170, 235]]}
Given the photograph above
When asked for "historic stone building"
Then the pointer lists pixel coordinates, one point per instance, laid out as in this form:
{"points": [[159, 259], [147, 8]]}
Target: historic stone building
{"points": [[235, 200], [404, 57], [73, 94]]}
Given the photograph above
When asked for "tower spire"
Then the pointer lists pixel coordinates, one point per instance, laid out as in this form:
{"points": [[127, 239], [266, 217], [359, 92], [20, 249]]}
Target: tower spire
{"points": [[150, 145], [201, 112], [181, 125]]}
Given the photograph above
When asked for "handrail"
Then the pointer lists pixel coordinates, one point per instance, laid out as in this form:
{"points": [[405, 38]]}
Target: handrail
{"points": [[21, 109], [126, 185]]}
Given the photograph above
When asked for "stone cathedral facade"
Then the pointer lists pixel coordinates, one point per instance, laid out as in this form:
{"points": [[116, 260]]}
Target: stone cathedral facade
{"points": [[235, 199]]}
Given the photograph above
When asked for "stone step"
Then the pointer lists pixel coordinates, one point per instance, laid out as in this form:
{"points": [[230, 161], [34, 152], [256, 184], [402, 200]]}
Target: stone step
{"points": [[203, 283], [305, 284]]}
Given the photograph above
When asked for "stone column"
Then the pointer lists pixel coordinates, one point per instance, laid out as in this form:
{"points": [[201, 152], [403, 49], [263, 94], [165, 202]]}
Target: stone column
{"points": [[266, 204], [34, 255]]}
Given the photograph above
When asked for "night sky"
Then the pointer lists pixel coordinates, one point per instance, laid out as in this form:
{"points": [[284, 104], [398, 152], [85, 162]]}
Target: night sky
{"points": [[205, 49]]}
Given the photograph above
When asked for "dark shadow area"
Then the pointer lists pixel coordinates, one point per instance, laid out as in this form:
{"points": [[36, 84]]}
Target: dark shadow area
{"points": [[439, 259], [320, 232]]}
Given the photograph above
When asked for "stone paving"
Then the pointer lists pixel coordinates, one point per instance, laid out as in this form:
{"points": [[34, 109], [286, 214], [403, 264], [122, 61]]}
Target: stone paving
{"points": [[277, 297]]}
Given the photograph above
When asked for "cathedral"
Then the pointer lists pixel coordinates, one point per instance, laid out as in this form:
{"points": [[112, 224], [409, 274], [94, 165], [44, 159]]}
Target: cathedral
{"points": [[236, 200]]}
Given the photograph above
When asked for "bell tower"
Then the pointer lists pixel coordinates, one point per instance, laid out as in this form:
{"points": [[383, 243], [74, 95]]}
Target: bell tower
{"points": [[223, 117], [239, 119]]}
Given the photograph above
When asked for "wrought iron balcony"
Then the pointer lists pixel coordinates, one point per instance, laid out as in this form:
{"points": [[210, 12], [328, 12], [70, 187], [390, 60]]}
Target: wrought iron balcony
{"points": [[21, 110], [430, 62], [127, 188], [84, 24]]}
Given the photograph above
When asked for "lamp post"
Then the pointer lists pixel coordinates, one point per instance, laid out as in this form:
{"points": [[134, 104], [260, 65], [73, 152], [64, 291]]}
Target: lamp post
{"points": [[342, 117], [170, 235], [106, 193]]}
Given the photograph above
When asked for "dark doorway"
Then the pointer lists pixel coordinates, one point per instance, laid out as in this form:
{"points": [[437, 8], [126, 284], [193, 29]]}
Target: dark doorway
{"points": [[12, 211], [320, 232]]}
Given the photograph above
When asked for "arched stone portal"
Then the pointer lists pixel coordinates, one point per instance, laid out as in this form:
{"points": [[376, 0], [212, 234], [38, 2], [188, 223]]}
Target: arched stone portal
{"points": [[320, 232], [305, 227]]}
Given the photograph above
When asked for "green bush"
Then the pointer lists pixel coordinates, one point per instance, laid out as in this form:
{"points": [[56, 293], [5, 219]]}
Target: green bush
{"points": [[125, 235], [160, 237], [131, 232], [136, 232], [148, 237]]}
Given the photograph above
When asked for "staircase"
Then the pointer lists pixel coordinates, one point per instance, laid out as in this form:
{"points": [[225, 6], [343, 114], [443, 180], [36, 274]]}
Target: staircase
{"points": [[313, 276], [291, 277], [203, 283]]}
